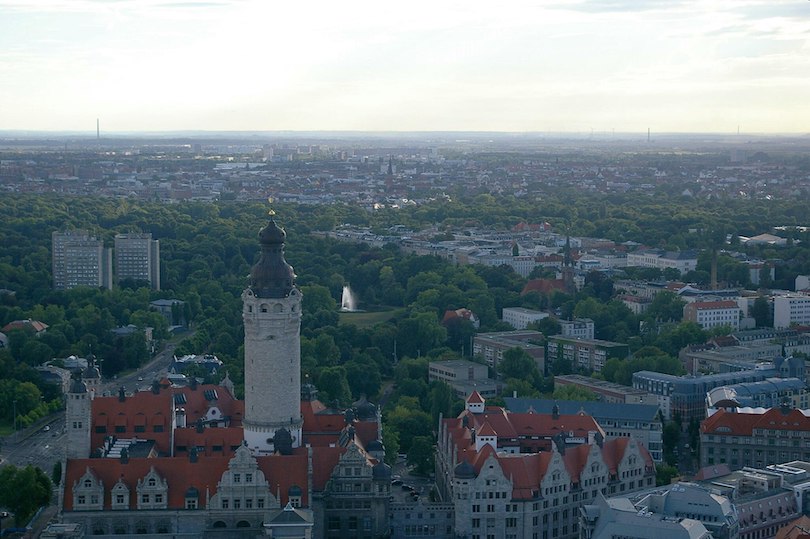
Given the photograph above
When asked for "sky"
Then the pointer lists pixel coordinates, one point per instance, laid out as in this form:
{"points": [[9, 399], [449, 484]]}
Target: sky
{"points": [[576, 66]]}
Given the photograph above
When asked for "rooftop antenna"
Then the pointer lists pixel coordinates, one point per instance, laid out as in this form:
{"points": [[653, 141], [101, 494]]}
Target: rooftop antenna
{"points": [[98, 130], [648, 134]]}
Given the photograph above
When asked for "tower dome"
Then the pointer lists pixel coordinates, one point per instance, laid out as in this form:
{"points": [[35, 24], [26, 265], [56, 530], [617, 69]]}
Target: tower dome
{"points": [[272, 276]]}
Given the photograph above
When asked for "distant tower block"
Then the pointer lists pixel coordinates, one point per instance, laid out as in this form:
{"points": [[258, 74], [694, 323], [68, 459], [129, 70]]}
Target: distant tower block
{"points": [[272, 316]]}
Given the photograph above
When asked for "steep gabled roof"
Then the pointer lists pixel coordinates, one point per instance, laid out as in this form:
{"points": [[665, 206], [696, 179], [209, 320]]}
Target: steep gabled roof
{"points": [[544, 286], [181, 474]]}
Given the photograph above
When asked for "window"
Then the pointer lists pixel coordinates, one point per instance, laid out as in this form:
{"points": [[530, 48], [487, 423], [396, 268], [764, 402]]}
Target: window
{"points": [[333, 523], [144, 498], [225, 503], [140, 428], [80, 500], [158, 498], [237, 478], [249, 503], [191, 503], [260, 503], [237, 503], [248, 478], [119, 498], [157, 428], [120, 428]]}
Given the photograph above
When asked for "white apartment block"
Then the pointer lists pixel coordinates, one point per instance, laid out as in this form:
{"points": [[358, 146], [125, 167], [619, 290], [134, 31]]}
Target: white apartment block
{"points": [[791, 309], [519, 317], [683, 261], [712, 314], [579, 328]]}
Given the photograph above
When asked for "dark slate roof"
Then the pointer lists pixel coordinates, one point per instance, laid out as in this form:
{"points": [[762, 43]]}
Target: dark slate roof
{"points": [[596, 409]]}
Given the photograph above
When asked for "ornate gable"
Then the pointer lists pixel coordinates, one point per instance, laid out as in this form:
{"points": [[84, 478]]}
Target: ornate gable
{"points": [[119, 495], [88, 492], [153, 491], [243, 485]]}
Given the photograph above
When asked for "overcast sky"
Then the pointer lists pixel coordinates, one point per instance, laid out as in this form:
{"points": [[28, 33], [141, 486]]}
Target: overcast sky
{"points": [[401, 65]]}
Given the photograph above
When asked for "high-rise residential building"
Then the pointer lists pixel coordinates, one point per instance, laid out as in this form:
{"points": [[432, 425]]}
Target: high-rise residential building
{"points": [[137, 256], [79, 259]]}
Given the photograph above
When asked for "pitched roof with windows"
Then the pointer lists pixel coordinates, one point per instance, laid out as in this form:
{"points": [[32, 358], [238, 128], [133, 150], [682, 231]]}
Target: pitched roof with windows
{"points": [[743, 424]]}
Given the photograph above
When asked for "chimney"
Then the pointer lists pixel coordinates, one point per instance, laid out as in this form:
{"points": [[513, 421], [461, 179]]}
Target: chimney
{"points": [[122, 395], [124, 456], [555, 411], [192, 454]]}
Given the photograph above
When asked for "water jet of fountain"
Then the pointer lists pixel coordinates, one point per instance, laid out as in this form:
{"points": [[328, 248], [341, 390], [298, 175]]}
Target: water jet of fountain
{"points": [[347, 301]]}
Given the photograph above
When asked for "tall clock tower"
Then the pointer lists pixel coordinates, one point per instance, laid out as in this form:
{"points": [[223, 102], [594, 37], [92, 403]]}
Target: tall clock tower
{"points": [[272, 316]]}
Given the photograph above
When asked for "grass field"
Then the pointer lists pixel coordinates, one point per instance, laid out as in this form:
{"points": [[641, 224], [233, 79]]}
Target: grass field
{"points": [[365, 319]]}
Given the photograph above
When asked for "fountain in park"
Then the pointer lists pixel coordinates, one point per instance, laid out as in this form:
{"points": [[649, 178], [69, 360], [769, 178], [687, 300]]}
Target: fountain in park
{"points": [[348, 303]]}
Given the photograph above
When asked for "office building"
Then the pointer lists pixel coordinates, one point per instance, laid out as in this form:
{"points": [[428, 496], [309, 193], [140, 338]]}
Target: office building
{"points": [[463, 376], [791, 309], [491, 346], [607, 391], [588, 354]]}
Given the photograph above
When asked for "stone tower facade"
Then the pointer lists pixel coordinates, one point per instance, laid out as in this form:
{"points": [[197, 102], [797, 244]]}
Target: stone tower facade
{"points": [[77, 419], [272, 316]]}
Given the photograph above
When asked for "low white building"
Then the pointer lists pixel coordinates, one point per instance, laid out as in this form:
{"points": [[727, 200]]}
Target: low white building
{"points": [[683, 261], [712, 314], [579, 328], [519, 317]]}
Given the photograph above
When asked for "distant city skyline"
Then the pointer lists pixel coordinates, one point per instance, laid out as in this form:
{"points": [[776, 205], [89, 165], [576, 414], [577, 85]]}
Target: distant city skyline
{"points": [[547, 66]]}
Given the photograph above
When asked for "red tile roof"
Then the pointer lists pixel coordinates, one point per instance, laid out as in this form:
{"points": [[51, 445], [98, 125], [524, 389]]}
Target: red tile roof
{"points": [[35, 325], [742, 424], [709, 305], [139, 414], [475, 398], [544, 286], [281, 472]]}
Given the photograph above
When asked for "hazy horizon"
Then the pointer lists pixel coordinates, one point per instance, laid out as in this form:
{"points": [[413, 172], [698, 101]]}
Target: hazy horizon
{"points": [[553, 66]]}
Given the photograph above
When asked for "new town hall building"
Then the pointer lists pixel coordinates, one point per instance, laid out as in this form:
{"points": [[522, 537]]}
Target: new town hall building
{"points": [[197, 462]]}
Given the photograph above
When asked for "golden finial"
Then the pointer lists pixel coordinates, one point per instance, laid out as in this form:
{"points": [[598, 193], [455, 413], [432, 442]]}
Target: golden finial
{"points": [[270, 212]]}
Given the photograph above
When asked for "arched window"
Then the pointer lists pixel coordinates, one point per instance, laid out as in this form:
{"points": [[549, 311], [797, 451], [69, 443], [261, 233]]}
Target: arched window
{"points": [[219, 524], [243, 524]]}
